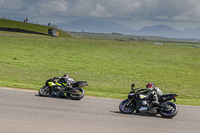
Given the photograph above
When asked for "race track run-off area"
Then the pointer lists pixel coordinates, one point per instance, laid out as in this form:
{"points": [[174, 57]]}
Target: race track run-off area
{"points": [[23, 111]]}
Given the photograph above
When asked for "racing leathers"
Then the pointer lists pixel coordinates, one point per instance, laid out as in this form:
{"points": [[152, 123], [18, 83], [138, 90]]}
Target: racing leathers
{"points": [[153, 93], [59, 85]]}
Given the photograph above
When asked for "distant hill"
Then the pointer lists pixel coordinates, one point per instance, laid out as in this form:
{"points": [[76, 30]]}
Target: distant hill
{"points": [[159, 30], [95, 25], [192, 33], [169, 32], [98, 25]]}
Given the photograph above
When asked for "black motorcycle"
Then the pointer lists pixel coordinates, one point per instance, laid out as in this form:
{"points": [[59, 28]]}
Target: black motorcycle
{"points": [[141, 103], [74, 92]]}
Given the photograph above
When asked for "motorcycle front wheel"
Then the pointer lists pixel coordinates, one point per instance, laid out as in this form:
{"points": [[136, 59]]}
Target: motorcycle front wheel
{"points": [[77, 94], [44, 91], [127, 106]]}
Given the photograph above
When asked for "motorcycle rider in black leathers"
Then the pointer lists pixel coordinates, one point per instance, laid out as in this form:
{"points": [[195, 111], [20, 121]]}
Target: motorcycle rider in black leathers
{"points": [[64, 81], [60, 85]]}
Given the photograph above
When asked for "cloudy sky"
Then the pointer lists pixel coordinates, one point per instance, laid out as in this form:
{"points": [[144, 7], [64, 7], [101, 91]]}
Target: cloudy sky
{"points": [[178, 14]]}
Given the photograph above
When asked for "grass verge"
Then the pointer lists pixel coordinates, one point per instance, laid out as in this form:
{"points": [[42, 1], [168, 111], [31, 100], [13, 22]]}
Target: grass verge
{"points": [[110, 67]]}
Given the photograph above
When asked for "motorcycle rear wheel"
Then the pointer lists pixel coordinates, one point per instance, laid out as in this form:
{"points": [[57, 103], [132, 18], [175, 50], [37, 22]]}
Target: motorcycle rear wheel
{"points": [[79, 94], [171, 112], [44, 91]]}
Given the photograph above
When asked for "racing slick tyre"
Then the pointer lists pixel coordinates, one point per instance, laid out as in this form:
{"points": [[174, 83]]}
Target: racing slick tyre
{"points": [[44, 91], [78, 94]]}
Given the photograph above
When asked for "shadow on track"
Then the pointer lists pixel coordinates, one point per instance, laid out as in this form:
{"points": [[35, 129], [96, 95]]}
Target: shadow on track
{"points": [[138, 114], [67, 98]]}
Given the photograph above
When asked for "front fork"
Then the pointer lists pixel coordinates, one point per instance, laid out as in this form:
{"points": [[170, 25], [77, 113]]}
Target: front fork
{"points": [[137, 104], [129, 102]]}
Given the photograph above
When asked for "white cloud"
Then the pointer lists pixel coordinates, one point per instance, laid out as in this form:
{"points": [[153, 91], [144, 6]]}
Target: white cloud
{"points": [[14, 4], [2, 2], [53, 7], [99, 11], [180, 10], [157, 11], [172, 10], [162, 17]]}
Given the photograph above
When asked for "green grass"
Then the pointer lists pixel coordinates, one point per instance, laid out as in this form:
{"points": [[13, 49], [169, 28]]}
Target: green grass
{"points": [[29, 26], [110, 67]]}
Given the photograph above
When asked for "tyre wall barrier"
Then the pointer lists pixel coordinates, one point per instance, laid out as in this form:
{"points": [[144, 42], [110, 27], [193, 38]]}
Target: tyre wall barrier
{"points": [[22, 31]]}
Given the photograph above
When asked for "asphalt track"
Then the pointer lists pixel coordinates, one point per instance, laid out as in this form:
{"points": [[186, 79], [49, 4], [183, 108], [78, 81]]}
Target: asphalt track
{"points": [[23, 111]]}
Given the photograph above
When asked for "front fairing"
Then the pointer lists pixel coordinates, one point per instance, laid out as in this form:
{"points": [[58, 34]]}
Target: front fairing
{"points": [[143, 96], [131, 95]]}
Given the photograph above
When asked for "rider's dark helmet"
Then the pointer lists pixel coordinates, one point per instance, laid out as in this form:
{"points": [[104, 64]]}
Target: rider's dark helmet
{"points": [[150, 85], [65, 75]]}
